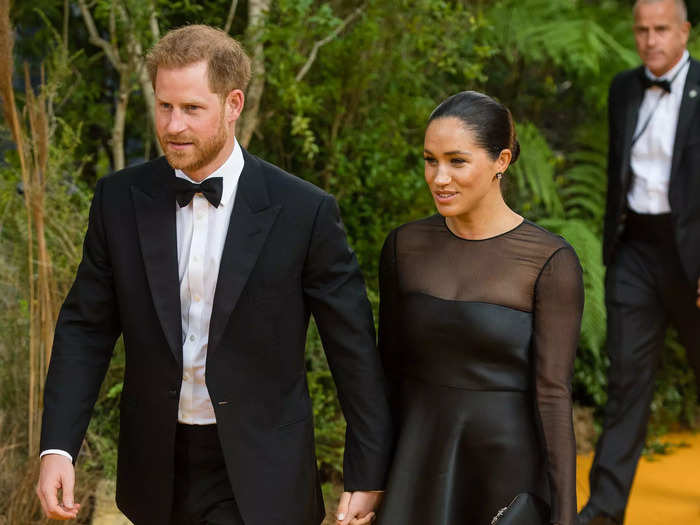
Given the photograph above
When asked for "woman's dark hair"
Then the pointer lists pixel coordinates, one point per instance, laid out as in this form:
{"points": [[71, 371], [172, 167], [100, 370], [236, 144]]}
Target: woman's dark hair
{"points": [[490, 121]]}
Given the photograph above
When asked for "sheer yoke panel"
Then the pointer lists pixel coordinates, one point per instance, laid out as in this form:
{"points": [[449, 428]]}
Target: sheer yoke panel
{"points": [[500, 270]]}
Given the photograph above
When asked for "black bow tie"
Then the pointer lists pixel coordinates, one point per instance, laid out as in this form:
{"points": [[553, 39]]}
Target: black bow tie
{"points": [[210, 188], [663, 84]]}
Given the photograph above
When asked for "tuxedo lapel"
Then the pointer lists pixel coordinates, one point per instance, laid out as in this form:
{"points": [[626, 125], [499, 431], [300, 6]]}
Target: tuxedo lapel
{"points": [[689, 105], [154, 202], [635, 95], [251, 220]]}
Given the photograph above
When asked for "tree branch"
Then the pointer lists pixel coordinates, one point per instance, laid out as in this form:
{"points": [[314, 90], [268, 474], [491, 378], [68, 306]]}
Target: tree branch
{"points": [[149, 96], [96, 39], [137, 60], [231, 15], [153, 20], [66, 17], [120, 122], [318, 45], [113, 29]]}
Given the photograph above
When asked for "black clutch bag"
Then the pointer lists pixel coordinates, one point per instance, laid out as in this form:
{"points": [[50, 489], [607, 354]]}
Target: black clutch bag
{"points": [[525, 509]]}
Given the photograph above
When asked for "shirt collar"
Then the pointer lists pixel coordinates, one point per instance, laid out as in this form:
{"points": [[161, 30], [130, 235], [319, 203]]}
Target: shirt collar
{"points": [[671, 72], [230, 171]]}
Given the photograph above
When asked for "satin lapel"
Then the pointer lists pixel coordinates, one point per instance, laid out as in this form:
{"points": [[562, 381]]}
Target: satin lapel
{"points": [[251, 220], [689, 104], [155, 217], [634, 101]]}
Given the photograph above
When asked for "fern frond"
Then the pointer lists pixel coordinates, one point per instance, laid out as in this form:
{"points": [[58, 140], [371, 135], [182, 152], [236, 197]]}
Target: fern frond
{"points": [[536, 168], [563, 31], [585, 185]]}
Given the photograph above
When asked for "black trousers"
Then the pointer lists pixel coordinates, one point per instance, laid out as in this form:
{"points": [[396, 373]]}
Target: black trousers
{"points": [[203, 494], [646, 288]]}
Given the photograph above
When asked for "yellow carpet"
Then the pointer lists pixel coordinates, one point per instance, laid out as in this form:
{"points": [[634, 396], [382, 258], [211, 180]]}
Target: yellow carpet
{"points": [[666, 490]]}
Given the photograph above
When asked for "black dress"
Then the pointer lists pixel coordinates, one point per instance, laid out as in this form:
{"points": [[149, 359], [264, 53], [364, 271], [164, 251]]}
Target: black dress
{"points": [[478, 339]]}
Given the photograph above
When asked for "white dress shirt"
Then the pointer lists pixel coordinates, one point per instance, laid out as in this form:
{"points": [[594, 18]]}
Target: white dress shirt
{"points": [[652, 154], [201, 234]]}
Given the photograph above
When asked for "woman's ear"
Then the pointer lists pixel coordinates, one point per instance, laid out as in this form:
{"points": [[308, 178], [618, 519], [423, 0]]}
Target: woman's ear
{"points": [[503, 160]]}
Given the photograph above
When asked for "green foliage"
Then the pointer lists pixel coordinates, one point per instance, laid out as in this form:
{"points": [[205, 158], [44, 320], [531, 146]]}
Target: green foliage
{"points": [[694, 42], [564, 31], [656, 447], [675, 398], [100, 447], [582, 39], [329, 423], [328, 418], [354, 124], [584, 187], [538, 191]]}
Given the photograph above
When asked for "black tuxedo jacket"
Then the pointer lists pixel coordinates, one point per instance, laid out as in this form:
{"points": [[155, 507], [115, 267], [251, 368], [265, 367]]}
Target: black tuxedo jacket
{"points": [[285, 256], [625, 98]]}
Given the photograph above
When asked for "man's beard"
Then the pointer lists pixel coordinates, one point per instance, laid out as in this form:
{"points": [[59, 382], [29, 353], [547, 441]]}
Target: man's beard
{"points": [[202, 152]]}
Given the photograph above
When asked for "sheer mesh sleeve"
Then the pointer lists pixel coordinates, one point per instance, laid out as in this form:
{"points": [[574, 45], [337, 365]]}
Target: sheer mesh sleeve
{"points": [[558, 308], [389, 331]]}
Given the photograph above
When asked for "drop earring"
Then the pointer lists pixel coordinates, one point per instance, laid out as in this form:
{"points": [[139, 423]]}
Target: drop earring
{"points": [[499, 175]]}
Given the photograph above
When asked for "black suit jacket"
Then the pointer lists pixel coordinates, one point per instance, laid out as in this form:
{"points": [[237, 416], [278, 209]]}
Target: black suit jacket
{"points": [[625, 98], [285, 256]]}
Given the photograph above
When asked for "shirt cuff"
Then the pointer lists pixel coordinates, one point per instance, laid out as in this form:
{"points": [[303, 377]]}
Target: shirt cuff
{"points": [[56, 451]]}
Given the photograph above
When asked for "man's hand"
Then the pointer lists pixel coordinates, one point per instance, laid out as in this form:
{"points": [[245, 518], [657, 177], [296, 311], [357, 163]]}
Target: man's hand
{"points": [[697, 301], [357, 508], [57, 473]]}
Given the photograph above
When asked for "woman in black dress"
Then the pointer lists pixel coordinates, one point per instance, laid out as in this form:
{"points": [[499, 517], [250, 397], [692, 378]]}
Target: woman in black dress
{"points": [[479, 323]]}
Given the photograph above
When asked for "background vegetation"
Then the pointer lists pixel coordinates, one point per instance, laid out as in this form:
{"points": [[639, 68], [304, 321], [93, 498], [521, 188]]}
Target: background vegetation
{"points": [[340, 98]]}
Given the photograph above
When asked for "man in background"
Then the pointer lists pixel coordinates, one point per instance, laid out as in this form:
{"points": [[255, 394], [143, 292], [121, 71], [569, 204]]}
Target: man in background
{"points": [[651, 240]]}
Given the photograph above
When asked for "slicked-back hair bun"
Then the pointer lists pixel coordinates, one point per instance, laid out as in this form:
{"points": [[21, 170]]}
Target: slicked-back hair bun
{"points": [[490, 121]]}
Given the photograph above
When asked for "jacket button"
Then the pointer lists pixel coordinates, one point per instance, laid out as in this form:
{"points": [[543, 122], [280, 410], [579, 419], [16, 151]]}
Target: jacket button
{"points": [[172, 394]]}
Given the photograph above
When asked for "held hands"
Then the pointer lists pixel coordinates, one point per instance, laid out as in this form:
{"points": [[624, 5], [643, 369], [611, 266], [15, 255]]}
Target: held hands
{"points": [[357, 508], [56, 473]]}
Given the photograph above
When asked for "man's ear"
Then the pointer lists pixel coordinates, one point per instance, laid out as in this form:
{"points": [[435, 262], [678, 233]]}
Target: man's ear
{"points": [[687, 27], [234, 103]]}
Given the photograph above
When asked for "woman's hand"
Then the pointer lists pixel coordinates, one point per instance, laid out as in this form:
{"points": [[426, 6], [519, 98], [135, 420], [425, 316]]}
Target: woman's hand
{"points": [[357, 508]]}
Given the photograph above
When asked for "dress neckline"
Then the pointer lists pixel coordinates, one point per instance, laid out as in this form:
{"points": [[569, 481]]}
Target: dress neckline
{"points": [[453, 234]]}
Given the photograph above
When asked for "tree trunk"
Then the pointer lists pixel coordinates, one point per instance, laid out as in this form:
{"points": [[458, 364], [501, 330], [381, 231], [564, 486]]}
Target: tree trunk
{"points": [[150, 98], [120, 119], [257, 13]]}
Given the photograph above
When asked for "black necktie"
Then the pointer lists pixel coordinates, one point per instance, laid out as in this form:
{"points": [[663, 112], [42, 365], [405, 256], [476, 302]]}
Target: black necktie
{"points": [[663, 84], [210, 188]]}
